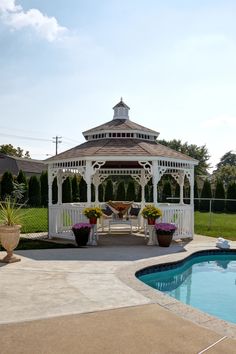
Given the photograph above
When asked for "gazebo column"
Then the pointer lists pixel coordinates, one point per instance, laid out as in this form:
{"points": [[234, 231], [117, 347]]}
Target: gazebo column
{"points": [[191, 182], [96, 182], [88, 179], [155, 180], [181, 186], [59, 187]]}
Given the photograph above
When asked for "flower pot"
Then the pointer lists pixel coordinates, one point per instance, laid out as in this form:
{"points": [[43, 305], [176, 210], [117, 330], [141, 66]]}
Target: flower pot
{"points": [[164, 240], [9, 238], [93, 220], [151, 221], [81, 236]]}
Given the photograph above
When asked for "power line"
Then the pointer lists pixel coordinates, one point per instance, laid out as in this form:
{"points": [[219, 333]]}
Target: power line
{"points": [[24, 137]]}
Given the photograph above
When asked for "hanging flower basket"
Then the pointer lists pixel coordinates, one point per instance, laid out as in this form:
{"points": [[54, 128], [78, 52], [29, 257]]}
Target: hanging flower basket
{"points": [[165, 232]]}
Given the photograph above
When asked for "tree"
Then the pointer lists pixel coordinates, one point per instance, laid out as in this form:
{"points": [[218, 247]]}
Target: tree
{"points": [[138, 194], [92, 192], [54, 191], [21, 179], [82, 191], [199, 153], [6, 185], [109, 195], [67, 191], [166, 192], [130, 194], [225, 173], [44, 188], [34, 192], [10, 150], [75, 189], [120, 193], [219, 205], [196, 195], [229, 158], [100, 193], [231, 194], [177, 193], [206, 193]]}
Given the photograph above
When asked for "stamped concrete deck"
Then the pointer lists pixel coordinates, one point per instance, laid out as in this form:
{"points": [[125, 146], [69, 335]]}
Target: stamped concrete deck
{"points": [[87, 300]]}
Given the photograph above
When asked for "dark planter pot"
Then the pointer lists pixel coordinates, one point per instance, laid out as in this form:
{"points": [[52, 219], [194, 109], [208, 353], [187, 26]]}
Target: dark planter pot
{"points": [[164, 240], [81, 237]]}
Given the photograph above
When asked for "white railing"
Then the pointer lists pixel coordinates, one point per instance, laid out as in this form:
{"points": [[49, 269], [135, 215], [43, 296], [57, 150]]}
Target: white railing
{"points": [[62, 217], [182, 216]]}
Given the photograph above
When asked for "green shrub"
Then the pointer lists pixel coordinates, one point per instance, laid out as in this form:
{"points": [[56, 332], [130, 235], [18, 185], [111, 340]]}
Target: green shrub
{"points": [[34, 192], [206, 193], [44, 188], [109, 195], [67, 191], [231, 194], [219, 205], [6, 184]]}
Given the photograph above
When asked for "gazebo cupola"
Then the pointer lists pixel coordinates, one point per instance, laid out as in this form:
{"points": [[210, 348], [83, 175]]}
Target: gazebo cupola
{"points": [[121, 110]]}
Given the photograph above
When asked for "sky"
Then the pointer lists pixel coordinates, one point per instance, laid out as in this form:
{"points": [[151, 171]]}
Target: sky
{"points": [[65, 64]]}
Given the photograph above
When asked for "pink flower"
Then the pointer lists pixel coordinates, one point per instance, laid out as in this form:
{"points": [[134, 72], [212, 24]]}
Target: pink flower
{"points": [[167, 227]]}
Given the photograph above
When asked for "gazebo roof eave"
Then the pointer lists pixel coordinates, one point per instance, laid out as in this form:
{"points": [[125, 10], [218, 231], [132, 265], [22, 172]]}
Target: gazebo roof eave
{"points": [[190, 161]]}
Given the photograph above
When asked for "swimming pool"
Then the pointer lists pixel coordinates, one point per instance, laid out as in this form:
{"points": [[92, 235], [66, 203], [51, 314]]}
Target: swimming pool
{"points": [[205, 280]]}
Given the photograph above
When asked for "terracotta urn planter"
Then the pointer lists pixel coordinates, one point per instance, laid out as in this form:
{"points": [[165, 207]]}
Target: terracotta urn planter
{"points": [[9, 238]]}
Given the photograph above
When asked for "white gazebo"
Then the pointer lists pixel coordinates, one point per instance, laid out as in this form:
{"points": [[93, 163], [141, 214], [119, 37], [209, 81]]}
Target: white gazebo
{"points": [[120, 147]]}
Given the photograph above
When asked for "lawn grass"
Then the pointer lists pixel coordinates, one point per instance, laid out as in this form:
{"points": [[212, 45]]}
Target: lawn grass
{"points": [[34, 220], [216, 225]]}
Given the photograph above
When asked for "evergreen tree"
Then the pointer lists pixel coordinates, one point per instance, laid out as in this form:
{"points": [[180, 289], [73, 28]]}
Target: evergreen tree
{"points": [[21, 179], [177, 193], [166, 192], [54, 191], [138, 194], [147, 193], [196, 195], [82, 191], [67, 191], [120, 193], [206, 193], [34, 192], [92, 192], [231, 194], [44, 188], [75, 189], [109, 195], [130, 194], [6, 185], [219, 205], [100, 193]]}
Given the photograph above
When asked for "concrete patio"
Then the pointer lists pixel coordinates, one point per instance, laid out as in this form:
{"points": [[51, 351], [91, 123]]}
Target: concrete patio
{"points": [[87, 300]]}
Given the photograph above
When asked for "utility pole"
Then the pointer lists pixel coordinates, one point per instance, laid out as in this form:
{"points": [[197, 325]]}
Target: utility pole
{"points": [[56, 140]]}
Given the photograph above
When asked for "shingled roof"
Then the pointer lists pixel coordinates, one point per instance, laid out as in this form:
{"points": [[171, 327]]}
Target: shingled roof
{"points": [[120, 124], [15, 164], [121, 147]]}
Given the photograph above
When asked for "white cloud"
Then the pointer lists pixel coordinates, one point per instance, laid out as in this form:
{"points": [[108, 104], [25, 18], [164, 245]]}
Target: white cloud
{"points": [[221, 121], [15, 17]]}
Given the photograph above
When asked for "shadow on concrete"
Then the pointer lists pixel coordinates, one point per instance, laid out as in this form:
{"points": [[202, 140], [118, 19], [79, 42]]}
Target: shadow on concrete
{"points": [[110, 248]]}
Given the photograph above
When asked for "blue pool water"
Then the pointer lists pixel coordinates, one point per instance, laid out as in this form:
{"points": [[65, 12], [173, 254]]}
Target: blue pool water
{"points": [[207, 282]]}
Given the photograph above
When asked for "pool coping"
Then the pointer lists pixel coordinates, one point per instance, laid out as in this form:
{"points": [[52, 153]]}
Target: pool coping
{"points": [[127, 275]]}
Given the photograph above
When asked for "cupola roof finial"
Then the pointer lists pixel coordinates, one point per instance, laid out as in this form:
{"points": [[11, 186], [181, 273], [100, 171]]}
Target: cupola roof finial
{"points": [[121, 110]]}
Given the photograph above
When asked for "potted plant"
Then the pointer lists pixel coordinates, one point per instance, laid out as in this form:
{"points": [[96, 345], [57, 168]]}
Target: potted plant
{"points": [[165, 233], [81, 231], [93, 213], [10, 218], [151, 213]]}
